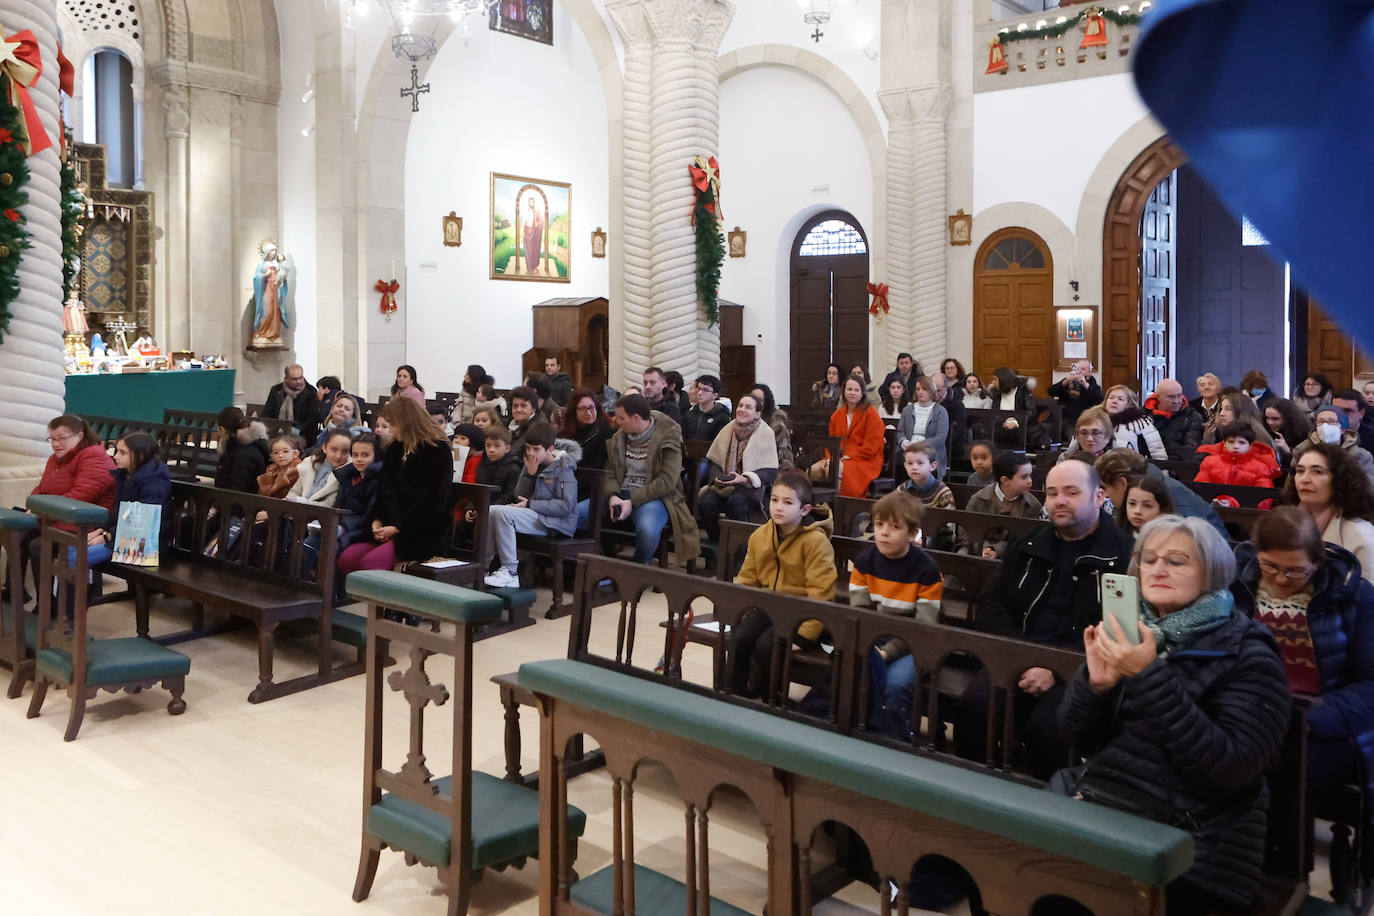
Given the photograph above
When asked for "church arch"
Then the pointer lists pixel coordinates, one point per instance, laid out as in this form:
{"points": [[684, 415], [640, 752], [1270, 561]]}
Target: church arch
{"points": [[1013, 304]]}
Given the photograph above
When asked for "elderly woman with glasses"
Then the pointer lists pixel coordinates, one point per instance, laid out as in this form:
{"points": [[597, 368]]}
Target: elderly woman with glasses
{"points": [[1092, 435], [1179, 720], [1313, 598]]}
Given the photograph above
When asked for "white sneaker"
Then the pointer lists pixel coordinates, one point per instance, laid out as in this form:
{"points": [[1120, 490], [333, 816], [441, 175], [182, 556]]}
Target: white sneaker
{"points": [[503, 578]]}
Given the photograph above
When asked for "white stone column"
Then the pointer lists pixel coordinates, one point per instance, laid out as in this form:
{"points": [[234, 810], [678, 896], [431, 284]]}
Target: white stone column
{"points": [[630, 22], [174, 331], [930, 224], [683, 124], [31, 373], [898, 325]]}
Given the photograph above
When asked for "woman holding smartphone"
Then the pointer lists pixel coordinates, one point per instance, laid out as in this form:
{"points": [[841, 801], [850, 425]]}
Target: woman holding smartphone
{"points": [[1180, 726]]}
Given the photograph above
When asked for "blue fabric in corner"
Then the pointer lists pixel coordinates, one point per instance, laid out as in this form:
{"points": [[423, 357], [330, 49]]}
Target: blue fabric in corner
{"points": [[1271, 101]]}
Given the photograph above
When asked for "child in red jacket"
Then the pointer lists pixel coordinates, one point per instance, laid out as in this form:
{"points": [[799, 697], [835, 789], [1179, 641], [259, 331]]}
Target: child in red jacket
{"points": [[1238, 459]]}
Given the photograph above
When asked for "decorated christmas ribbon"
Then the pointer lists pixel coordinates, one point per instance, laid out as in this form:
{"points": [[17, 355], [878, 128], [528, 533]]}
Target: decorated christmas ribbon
{"points": [[388, 291], [20, 66], [706, 179], [879, 307]]}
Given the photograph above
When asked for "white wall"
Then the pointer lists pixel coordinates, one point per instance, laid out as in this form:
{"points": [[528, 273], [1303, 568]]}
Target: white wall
{"points": [[503, 104], [296, 174], [1040, 144], [782, 133]]}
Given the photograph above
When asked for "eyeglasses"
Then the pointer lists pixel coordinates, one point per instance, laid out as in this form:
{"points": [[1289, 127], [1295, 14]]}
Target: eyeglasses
{"points": [[1092, 433], [586, 408], [1171, 560], [65, 438], [1294, 573]]}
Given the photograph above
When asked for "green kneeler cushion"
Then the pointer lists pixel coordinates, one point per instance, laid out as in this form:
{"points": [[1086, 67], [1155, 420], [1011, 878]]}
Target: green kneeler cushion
{"points": [[117, 661], [70, 511], [654, 894], [424, 597], [1114, 841], [514, 597], [505, 823], [16, 520]]}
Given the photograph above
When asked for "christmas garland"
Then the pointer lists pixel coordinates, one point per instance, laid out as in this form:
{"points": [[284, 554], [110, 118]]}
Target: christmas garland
{"points": [[73, 206], [710, 242], [14, 238], [1059, 28]]}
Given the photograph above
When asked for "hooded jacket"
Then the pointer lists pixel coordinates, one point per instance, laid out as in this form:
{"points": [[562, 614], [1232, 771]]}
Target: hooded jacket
{"points": [[306, 472], [664, 481], [1134, 428], [552, 490], [1180, 430], [356, 498], [242, 458], [1187, 741], [1256, 468], [800, 564]]}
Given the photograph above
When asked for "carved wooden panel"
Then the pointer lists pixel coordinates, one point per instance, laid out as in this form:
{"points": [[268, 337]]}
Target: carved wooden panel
{"points": [[1121, 262]]}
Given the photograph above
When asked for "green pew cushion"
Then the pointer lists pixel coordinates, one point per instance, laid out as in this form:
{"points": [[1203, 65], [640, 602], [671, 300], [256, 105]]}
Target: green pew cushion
{"points": [[654, 894], [15, 520], [350, 629], [70, 511], [505, 823], [116, 661], [424, 596], [1112, 840], [514, 597]]}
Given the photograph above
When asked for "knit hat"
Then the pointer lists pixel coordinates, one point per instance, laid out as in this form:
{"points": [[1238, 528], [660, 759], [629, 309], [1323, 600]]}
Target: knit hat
{"points": [[476, 438]]}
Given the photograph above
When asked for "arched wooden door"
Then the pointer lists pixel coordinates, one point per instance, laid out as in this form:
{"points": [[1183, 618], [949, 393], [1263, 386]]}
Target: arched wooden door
{"points": [[829, 299], [1013, 305]]}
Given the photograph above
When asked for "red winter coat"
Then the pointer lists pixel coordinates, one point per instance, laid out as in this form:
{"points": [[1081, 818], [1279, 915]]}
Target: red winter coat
{"points": [[1256, 468], [862, 445], [84, 474]]}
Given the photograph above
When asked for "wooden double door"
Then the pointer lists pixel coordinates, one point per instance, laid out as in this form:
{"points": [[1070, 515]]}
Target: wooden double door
{"points": [[829, 300], [1013, 306]]}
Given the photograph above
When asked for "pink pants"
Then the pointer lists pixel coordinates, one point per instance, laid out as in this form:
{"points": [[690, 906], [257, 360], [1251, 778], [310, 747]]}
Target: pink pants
{"points": [[367, 555]]}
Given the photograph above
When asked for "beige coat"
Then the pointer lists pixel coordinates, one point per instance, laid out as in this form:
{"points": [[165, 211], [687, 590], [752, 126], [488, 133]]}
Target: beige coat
{"points": [[1355, 535], [306, 479], [760, 453]]}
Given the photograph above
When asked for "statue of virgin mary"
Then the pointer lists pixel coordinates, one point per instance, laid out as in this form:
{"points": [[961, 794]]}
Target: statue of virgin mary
{"points": [[269, 297]]}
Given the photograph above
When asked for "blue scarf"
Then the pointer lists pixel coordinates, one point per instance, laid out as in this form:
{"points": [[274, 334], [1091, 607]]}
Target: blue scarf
{"points": [[1179, 629]]}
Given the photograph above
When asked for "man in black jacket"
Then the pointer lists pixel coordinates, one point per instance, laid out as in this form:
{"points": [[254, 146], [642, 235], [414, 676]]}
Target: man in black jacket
{"points": [[294, 399], [707, 416], [907, 371], [1076, 392], [1046, 592], [560, 384], [1179, 426]]}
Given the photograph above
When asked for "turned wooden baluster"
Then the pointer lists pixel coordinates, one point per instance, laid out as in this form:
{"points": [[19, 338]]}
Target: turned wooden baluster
{"points": [[690, 816], [704, 864], [629, 796], [617, 850]]}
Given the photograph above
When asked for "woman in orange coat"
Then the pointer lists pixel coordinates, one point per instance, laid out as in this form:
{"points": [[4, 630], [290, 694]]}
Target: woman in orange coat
{"points": [[857, 423]]}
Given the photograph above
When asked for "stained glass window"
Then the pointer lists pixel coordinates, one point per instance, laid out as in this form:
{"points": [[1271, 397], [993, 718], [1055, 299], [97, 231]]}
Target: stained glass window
{"points": [[1021, 253], [833, 236]]}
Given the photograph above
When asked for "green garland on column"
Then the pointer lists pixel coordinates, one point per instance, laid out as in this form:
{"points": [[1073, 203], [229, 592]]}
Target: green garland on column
{"points": [[710, 256], [73, 207], [14, 238]]}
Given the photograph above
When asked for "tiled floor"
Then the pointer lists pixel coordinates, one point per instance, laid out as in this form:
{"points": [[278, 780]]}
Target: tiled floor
{"points": [[234, 809]]}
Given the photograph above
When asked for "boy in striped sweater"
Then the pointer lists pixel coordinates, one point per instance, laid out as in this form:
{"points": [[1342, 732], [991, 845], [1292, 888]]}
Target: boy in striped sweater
{"points": [[894, 576]]}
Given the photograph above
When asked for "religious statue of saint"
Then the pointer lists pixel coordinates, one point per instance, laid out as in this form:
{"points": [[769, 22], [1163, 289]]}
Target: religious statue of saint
{"points": [[269, 296], [74, 316], [534, 236]]}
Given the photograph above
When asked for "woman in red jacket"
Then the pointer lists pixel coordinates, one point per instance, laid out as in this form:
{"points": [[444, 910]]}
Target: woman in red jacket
{"points": [[79, 468], [857, 423]]}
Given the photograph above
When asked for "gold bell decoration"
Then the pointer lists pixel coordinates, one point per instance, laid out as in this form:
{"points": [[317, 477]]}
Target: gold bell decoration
{"points": [[4, 251], [997, 56], [1094, 29], [6, 179]]}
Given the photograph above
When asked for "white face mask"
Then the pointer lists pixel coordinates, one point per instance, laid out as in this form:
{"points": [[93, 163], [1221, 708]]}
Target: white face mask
{"points": [[1330, 433]]}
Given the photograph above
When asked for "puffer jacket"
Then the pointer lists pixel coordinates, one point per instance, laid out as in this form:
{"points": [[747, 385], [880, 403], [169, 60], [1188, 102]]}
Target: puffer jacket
{"points": [[800, 564], [1340, 618], [242, 458], [84, 474], [1180, 430], [1134, 428], [1256, 468], [552, 490], [1187, 741]]}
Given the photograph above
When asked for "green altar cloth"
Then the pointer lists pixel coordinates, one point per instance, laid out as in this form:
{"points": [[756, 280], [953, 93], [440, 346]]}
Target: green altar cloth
{"points": [[144, 395]]}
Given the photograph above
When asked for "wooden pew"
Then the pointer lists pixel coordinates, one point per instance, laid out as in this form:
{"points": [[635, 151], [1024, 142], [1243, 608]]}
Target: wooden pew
{"points": [[1247, 497], [18, 629], [63, 655], [797, 779], [810, 448], [983, 423], [264, 576], [562, 549], [468, 821]]}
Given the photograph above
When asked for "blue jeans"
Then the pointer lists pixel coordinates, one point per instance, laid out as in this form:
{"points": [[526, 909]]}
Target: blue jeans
{"points": [[901, 686], [509, 521], [94, 555], [649, 520]]}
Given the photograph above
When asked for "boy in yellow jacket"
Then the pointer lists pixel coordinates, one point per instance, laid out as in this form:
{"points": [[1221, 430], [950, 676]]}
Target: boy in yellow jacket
{"points": [[785, 556]]}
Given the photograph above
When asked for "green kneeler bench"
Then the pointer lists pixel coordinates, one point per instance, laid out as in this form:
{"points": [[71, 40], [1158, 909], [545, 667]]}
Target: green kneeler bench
{"points": [[463, 823], [16, 646], [655, 893], [68, 657]]}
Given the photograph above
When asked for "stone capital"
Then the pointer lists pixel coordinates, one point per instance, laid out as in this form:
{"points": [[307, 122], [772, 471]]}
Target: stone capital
{"points": [[696, 25], [631, 25], [917, 105], [176, 111]]}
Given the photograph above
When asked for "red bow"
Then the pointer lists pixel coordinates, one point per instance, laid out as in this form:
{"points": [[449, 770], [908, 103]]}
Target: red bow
{"points": [[388, 291], [879, 307], [706, 179], [21, 66], [66, 73]]}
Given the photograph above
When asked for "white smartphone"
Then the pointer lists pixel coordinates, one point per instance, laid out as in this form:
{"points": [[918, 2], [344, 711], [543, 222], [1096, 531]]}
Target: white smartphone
{"points": [[1121, 599]]}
